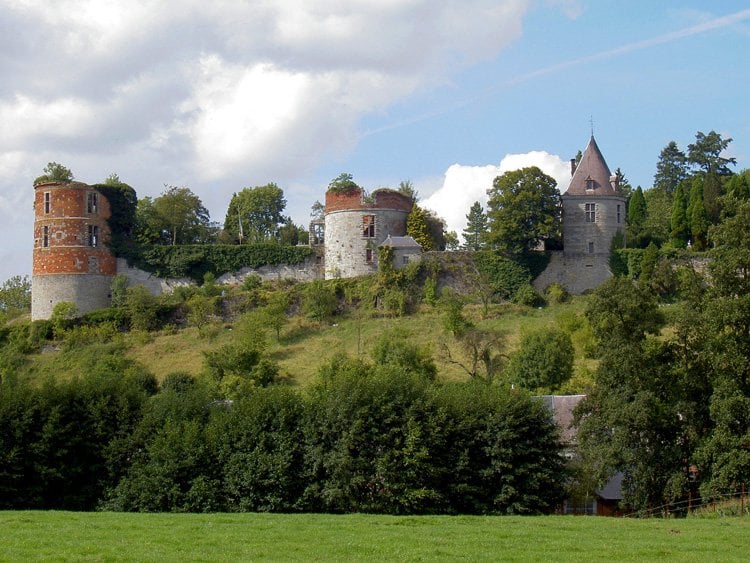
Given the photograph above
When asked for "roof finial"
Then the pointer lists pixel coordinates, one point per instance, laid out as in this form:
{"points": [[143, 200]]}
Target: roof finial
{"points": [[591, 121]]}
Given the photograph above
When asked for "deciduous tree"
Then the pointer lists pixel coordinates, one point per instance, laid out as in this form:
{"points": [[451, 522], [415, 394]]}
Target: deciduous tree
{"points": [[523, 209]]}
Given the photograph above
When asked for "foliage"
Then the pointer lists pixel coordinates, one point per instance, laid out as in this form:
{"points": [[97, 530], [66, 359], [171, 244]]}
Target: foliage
{"points": [[476, 228], [504, 275], [523, 210], [705, 153], [122, 221], [177, 216], [394, 349], [636, 218], [528, 296], [696, 215], [320, 300], [671, 168], [194, 261], [255, 215], [680, 226], [543, 360], [15, 296], [343, 183], [55, 172], [417, 228]]}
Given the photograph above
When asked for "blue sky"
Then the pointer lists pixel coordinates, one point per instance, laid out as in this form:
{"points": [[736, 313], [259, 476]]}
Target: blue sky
{"points": [[219, 96]]}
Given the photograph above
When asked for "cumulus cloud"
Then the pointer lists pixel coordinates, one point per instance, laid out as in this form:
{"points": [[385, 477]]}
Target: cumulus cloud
{"points": [[463, 185], [219, 94]]}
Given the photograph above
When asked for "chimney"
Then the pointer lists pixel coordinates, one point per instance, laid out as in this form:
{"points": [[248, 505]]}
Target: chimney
{"points": [[614, 182], [572, 166]]}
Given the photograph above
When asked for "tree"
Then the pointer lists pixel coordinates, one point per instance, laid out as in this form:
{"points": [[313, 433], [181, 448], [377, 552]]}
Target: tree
{"points": [[638, 418], [636, 219], [738, 186], [15, 296], [344, 182], [658, 215], [406, 187], [256, 214], [177, 216], [476, 228], [317, 211], [623, 184], [671, 168], [55, 172], [417, 228], [680, 227], [543, 360], [523, 209], [705, 153], [696, 214], [123, 205]]}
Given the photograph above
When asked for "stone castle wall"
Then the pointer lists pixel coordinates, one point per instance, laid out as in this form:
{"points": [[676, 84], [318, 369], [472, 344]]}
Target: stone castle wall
{"points": [[87, 292], [585, 238], [71, 260], [351, 248], [577, 273]]}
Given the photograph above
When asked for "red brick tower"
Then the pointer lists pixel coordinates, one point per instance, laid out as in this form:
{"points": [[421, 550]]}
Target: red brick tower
{"points": [[71, 259]]}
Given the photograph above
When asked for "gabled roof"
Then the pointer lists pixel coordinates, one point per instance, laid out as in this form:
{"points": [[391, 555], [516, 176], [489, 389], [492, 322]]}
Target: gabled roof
{"points": [[562, 407], [592, 175], [401, 242]]}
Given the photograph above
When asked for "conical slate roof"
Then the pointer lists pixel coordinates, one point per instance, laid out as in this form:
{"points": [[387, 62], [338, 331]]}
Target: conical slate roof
{"points": [[592, 175]]}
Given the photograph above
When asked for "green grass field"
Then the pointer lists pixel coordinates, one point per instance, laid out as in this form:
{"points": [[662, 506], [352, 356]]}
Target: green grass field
{"points": [[68, 536]]}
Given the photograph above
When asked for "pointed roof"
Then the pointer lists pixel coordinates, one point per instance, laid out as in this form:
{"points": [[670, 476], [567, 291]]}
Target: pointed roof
{"points": [[592, 175]]}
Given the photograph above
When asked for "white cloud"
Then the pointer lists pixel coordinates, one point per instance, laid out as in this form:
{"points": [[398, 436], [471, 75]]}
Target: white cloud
{"points": [[218, 93], [463, 185]]}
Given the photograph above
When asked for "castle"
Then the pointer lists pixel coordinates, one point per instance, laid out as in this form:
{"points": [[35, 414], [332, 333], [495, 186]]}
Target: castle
{"points": [[72, 262]]}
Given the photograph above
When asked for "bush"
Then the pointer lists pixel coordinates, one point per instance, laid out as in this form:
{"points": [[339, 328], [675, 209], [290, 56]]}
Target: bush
{"points": [[556, 293], [527, 295]]}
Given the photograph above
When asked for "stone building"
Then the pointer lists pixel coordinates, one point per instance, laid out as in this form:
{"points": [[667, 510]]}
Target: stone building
{"points": [[593, 214], [357, 224], [71, 261]]}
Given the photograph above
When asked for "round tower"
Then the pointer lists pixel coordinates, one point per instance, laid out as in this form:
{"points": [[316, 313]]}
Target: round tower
{"points": [[72, 262], [357, 224], [593, 207]]}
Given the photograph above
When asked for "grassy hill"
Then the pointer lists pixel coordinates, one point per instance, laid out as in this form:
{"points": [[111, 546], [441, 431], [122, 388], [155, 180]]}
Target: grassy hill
{"points": [[303, 345]]}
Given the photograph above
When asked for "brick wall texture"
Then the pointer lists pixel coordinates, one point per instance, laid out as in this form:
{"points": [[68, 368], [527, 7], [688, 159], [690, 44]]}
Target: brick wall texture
{"points": [[71, 260]]}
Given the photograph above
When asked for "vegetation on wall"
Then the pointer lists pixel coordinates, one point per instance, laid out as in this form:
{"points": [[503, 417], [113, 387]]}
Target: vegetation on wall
{"points": [[194, 261]]}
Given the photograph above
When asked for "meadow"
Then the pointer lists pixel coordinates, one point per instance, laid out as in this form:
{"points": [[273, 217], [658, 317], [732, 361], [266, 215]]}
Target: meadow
{"points": [[80, 536]]}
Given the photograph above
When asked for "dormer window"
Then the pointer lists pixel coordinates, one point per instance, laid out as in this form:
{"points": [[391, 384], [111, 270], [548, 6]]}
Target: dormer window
{"points": [[589, 184]]}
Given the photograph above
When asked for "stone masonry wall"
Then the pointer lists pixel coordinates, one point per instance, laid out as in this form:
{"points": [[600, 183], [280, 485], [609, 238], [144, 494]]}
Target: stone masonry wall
{"points": [[578, 234], [87, 292]]}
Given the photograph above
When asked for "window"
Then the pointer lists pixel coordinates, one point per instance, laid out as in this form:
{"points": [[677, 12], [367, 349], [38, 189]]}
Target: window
{"points": [[368, 255], [46, 202], [93, 235], [91, 202], [368, 226], [589, 184], [591, 248], [590, 209], [45, 236], [618, 213]]}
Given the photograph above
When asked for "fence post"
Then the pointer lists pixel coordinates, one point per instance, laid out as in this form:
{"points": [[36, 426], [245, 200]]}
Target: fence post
{"points": [[690, 500], [742, 500]]}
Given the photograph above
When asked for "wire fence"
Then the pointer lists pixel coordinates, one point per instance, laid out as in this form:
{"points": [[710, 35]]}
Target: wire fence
{"points": [[736, 503]]}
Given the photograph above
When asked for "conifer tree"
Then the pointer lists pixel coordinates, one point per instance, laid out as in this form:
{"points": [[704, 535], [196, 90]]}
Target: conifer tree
{"points": [[476, 228], [637, 213], [680, 228], [671, 169], [696, 214]]}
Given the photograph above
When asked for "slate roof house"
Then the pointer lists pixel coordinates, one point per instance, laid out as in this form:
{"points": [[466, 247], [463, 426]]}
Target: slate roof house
{"points": [[605, 501]]}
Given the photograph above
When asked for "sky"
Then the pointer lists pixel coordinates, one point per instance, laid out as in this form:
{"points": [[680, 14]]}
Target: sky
{"points": [[447, 94]]}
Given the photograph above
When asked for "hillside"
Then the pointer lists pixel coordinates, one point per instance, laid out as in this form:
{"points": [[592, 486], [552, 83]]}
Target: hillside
{"points": [[304, 344]]}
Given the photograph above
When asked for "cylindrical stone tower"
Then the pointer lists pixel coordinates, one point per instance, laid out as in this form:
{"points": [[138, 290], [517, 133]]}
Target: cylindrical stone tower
{"points": [[71, 259], [356, 224]]}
